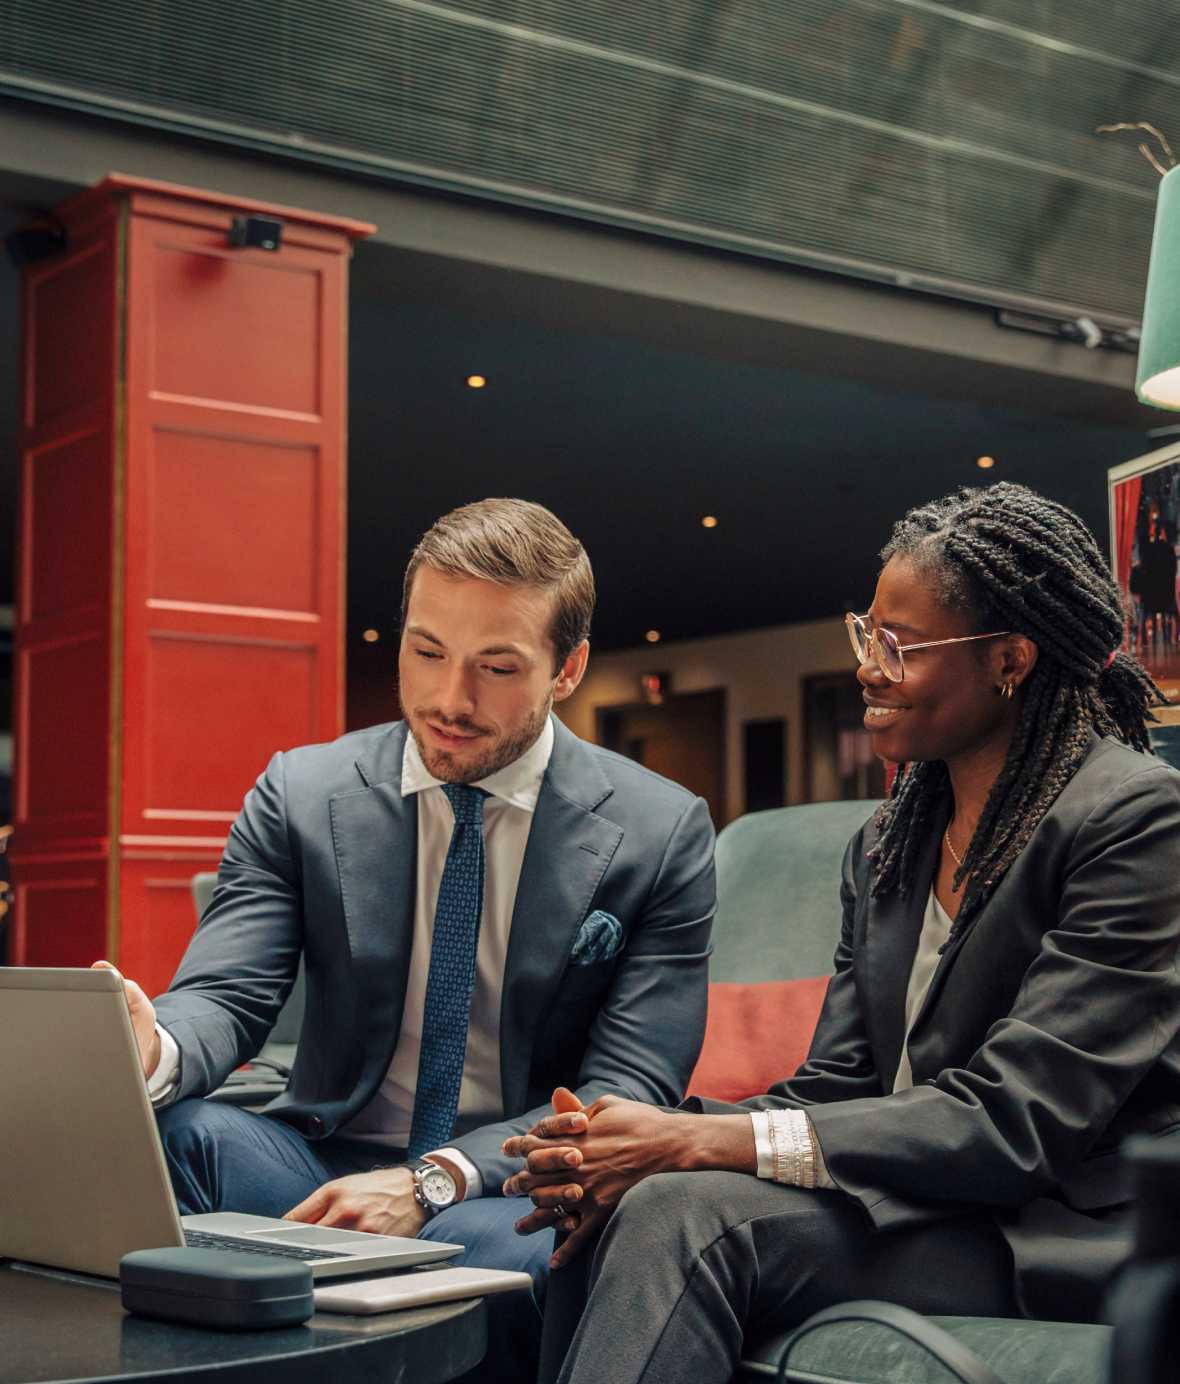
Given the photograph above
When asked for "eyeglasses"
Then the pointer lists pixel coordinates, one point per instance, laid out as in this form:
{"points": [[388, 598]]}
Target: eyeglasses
{"points": [[881, 646]]}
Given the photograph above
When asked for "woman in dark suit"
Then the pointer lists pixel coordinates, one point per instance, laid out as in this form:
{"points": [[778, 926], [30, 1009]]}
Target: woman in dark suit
{"points": [[1004, 1009]]}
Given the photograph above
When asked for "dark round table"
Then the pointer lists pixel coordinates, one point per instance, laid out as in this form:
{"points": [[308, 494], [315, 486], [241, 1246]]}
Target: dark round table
{"points": [[67, 1327]]}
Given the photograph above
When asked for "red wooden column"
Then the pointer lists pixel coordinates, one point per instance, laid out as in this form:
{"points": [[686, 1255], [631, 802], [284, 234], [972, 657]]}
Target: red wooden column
{"points": [[180, 610]]}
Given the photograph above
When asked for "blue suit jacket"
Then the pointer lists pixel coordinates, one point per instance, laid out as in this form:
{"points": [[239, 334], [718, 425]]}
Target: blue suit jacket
{"points": [[322, 862]]}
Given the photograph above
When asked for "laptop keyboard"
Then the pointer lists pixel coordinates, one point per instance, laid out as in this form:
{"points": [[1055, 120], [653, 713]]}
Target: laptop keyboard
{"points": [[203, 1239]]}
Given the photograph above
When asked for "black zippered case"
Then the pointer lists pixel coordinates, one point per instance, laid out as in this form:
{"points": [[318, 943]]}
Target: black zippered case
{"points": [[223, 1289]]}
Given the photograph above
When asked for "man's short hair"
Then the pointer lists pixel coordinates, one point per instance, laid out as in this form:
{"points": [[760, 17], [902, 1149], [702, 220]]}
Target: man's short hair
{"points": [[513, 542]]}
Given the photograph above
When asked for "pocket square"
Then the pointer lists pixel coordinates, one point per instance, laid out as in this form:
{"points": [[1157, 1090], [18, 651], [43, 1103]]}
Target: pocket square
{"points": [[599, 938]]}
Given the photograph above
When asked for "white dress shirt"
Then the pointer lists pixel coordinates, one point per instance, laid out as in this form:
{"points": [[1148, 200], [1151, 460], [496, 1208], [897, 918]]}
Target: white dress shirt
{"points": [[507, 819], [787, 1148]]}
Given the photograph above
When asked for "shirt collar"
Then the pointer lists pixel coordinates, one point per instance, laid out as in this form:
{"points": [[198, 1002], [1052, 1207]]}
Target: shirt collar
{"points": [[518, 783]]}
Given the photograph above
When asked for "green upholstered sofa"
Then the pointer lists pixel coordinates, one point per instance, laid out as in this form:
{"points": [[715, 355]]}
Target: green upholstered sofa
{"points": [[778, 920]]}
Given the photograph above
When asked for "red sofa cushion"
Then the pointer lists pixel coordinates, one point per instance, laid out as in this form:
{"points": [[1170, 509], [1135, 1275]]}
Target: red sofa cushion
{"points": [[756, 1035]]}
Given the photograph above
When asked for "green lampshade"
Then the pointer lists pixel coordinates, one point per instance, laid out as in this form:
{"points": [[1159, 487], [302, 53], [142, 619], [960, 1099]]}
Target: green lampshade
{"points": [[1158, 379]]}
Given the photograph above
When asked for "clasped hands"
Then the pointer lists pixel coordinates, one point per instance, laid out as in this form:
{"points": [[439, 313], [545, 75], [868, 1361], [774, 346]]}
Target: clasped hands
{"points": [[581, 1159]]}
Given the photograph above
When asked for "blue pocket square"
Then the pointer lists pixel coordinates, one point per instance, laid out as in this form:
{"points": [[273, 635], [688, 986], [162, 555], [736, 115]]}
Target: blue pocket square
{"points": [[599, 938]]}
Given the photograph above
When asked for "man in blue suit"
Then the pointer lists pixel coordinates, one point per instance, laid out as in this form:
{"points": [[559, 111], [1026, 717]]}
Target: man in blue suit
{"points": [[486, 906]]}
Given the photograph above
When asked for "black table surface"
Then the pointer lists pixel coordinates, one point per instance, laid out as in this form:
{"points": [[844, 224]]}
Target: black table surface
{"points": [[67, 1327]]}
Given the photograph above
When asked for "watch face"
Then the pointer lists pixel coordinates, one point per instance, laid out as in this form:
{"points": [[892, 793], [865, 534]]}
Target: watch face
{"points": [[437, 1186]]}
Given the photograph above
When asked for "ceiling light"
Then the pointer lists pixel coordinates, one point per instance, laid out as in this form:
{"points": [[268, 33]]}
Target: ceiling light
{"points": [[985, 463], [709, 521], [371, 636], [476, 381], [652, 636]]}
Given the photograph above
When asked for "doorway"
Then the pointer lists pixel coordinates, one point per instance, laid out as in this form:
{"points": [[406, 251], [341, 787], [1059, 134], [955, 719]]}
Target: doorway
{"points": [[683, 738], [838, 758]]}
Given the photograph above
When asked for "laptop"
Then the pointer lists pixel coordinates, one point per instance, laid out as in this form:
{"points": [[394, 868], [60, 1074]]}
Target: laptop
{"points": [[82, 1174]]}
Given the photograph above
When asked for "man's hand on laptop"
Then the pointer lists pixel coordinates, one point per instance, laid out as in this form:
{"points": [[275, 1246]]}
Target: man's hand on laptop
{"points": [[143, 1019], [381, 1202]]}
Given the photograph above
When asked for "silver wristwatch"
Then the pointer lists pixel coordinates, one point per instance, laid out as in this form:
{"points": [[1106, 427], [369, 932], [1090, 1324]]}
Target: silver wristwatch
{"points": [[434, 1187]]}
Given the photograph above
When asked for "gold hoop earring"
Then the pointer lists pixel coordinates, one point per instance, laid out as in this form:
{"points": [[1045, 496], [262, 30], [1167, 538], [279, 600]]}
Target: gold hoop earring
{"points": [[1008, 689]]}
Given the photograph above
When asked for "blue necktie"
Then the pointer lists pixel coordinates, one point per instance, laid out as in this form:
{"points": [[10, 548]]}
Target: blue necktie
{"points": [[451, 978]]}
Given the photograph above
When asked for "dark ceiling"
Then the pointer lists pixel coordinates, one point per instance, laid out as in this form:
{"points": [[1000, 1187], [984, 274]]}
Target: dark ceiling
{"points": [[631, 443], [631, 440]]}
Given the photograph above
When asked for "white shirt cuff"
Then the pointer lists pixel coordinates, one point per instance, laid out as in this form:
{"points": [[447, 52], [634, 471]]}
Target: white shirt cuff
{"points": [[474, 1183], [788, 1150], [162, 1082]]}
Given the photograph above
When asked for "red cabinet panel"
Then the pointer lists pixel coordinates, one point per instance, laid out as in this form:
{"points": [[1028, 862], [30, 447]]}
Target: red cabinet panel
{"points": [[157, 889], [62, 724], [180, 614], [233, 521], [67, 333], [60, 910], [68, 490], [232, 701], [253, 322]]}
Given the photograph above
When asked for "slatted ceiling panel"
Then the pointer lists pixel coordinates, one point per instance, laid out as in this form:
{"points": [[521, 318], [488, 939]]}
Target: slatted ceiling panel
{"points": [[1127, 30], [941, 139]]}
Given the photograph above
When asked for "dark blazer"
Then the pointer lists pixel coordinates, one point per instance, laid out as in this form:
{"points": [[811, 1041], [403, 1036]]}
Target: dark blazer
{"points": [[1047, 1036], [322, 862]]}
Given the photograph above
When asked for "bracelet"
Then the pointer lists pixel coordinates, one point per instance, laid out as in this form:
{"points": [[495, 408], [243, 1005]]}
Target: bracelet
{"points": [[783, 1146], [809, 1154], [799, 1140], [776, 1153]]}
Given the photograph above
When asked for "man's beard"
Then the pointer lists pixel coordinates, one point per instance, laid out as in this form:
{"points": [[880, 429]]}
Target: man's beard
{"points": [[444, 764]]}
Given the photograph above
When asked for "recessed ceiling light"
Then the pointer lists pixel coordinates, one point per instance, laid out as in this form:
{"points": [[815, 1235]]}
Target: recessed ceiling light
{"points": [[985, 463], [476, 381], [652, 636], [371, 636], [709, 521]]}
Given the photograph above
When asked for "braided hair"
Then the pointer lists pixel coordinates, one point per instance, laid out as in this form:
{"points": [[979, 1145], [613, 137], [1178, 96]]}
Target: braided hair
{"points": [[1015, 561]]}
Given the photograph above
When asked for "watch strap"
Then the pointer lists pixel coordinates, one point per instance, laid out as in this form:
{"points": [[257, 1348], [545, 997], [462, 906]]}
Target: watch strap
{"points": [[418, 1167]]}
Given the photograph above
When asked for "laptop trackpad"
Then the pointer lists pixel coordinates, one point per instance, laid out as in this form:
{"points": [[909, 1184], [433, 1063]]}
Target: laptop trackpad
{"points": [[288, 1232], [316, 1235], [234, 1223]]}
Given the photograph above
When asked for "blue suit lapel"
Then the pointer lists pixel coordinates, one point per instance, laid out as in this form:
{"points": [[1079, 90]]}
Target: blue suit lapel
{"points": [[569, 849], [375, 839]]}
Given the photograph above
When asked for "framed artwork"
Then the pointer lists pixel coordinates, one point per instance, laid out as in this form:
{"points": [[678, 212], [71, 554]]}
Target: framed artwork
{"points": [[1144, 533]]}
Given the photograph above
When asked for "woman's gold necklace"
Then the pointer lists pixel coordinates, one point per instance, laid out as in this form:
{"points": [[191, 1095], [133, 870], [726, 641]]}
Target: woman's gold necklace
{"points": [[946, 836]]}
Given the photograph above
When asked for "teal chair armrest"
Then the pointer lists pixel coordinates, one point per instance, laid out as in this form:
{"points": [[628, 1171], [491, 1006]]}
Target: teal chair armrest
{"points": [[881, 1343]]}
